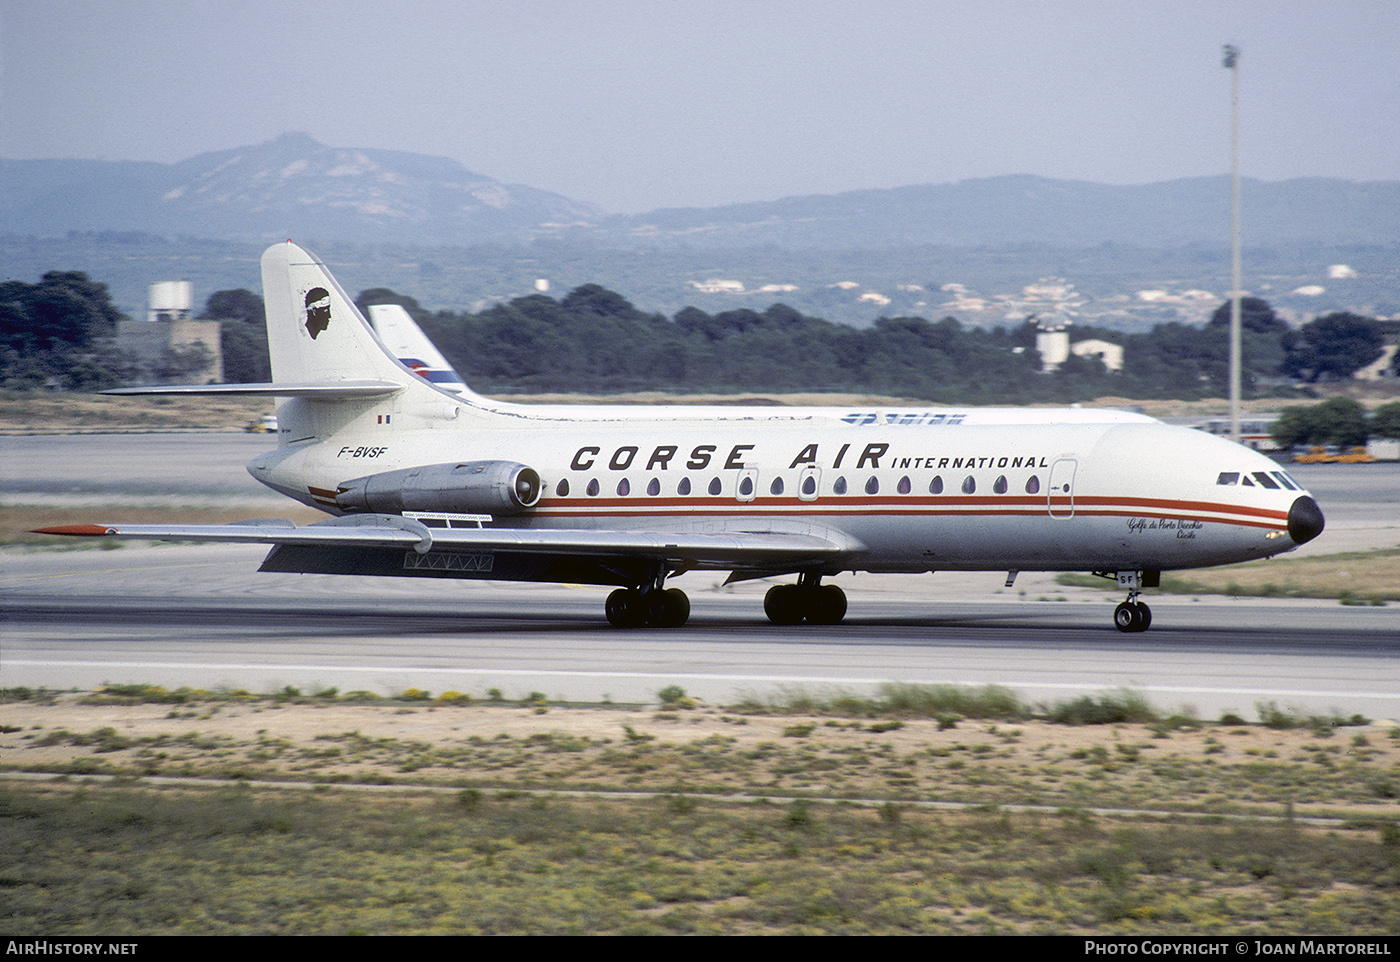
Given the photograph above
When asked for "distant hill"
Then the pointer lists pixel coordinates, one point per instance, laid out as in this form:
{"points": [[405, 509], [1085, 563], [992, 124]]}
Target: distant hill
{"points": [[296, 187], [1035, 210], [289, 187]]}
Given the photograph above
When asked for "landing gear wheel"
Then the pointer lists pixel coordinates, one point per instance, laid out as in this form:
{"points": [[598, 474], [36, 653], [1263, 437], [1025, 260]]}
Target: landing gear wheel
{"points": [[1144, 616], [625, 609], [669, 608], [815, 604], [1125, 617], [783, 605], [827, 605], [1132, 616]]}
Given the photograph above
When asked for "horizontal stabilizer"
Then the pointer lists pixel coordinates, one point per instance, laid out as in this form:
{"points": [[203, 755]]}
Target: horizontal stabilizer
{"points": [[326, 390]]}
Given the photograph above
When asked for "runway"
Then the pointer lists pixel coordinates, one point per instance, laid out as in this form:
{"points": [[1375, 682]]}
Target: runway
{"points": [[202, 616]]}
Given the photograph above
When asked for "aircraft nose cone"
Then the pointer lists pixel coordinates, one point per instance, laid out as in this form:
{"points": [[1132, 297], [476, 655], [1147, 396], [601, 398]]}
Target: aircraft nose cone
{"points": [[1305, 520]]}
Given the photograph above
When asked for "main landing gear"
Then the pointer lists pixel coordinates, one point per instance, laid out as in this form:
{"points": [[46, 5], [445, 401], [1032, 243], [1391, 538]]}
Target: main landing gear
{"points": [[808, 600], [657, 607], [651, 603]]}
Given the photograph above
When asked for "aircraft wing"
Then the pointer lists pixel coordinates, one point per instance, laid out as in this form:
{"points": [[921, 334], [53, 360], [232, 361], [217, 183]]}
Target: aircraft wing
{"points": [[716, 549]]}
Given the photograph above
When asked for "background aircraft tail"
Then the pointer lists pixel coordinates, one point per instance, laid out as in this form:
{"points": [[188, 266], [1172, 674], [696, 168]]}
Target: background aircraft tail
{"points": [[402, 335]]}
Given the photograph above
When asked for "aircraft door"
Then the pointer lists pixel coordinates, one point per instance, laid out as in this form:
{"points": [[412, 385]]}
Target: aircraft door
{"points": [[1059, 493]]}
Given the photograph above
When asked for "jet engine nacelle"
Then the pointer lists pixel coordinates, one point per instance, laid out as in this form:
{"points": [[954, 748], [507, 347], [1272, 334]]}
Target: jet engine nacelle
{"points": [[467, 487]]}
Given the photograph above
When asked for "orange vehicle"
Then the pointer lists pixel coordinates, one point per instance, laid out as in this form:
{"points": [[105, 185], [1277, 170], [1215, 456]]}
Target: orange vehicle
{"points": [[1317, 455], [1357, 455]]}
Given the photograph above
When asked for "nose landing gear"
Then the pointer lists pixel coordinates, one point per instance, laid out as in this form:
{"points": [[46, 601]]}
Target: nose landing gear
{"points": [[1133, 615]]}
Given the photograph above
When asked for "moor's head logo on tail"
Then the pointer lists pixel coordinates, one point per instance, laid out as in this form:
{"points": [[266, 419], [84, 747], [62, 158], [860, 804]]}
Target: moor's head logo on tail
{"points": [[318, 311]]}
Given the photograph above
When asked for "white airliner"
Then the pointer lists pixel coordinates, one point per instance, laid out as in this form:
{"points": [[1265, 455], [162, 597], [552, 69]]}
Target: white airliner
{"points": [[425, 482]]}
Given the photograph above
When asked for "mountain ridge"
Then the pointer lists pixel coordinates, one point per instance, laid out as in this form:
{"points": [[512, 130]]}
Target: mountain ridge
{"points": [[295, 186]]}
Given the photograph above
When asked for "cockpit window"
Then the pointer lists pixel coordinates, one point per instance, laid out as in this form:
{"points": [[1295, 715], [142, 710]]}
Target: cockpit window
{"points": [[1263, 478], [1285, 480], [1228, 477]]}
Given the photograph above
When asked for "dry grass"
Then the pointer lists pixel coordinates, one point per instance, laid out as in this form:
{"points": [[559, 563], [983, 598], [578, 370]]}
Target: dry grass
{"points": [[1359, 575], [439, 837], [25, 412]]}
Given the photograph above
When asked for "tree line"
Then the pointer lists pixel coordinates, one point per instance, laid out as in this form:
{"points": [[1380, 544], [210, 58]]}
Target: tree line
{"points": [[58, 332], [1340, 421]]}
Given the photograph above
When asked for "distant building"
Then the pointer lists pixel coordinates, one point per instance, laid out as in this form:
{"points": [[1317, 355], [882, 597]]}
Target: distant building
{"points": [[168, 345], [717, 285], [1106, 351], [1052, 341]]}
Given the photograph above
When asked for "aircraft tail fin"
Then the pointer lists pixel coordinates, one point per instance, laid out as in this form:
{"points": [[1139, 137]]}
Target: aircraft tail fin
{"points": [[329, 367], [315, 334]]}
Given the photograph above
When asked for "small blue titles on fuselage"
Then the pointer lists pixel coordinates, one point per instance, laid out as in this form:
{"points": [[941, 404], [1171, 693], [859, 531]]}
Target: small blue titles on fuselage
{"points": [[904, 417]]}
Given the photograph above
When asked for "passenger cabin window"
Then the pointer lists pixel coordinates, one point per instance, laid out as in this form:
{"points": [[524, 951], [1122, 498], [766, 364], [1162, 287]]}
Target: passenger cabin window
{"points": [[563, 489], [809, 486], [745, 487], [1000, 486], [715, 486], [684, 487], [624, 488], [873, 485], [840, 486], [1228, 477], [593, 488], [969, 485], [1033, 484], [936, 485], [777, 486], [905, 485], [654, 487]]}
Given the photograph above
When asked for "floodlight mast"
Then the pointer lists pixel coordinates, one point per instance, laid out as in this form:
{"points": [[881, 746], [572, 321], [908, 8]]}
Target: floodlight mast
{"points": [[1232, 64]]}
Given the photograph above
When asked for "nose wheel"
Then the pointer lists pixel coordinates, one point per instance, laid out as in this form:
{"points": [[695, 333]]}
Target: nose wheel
{"points": [[1132, 616]]}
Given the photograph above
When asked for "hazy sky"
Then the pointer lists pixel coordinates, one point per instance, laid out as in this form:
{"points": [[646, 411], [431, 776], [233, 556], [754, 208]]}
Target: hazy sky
{"points": [[637, 104]]}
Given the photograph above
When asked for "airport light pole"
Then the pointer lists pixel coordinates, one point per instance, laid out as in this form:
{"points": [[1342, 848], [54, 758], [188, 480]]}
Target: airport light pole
{"points": [[1232, 64]]}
